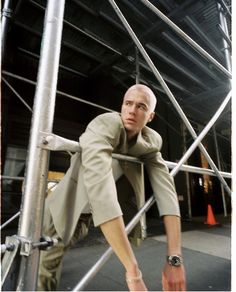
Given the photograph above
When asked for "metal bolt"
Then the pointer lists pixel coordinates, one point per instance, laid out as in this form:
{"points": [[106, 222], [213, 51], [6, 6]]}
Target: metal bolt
{"points": [[45, 142]]}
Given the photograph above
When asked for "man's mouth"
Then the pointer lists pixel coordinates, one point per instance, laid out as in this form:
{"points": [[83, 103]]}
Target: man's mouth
{"points": [[130, 120]]}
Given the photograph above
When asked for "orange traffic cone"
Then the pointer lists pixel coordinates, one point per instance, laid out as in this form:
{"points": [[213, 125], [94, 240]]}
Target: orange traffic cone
{"points": [[210, 216]]}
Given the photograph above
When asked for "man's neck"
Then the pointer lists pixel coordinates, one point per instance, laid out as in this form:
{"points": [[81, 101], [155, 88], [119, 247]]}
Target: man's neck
{"points": [[131, 137]]}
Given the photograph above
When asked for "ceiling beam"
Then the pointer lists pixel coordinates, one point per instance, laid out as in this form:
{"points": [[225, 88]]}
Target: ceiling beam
{"points": [[204, 66]]}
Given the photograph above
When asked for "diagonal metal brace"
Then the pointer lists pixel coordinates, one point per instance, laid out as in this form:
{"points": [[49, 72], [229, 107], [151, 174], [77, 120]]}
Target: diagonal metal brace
{"points": [[20, 246], [9, 256]]}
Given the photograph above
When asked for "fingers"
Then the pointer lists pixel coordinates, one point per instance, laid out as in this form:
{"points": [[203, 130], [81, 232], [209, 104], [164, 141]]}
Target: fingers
{"points": [[176, 286], [173, 279]]}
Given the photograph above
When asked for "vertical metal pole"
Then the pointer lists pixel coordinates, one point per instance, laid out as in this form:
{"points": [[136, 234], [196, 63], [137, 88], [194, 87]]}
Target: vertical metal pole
{"points": [[233, 145], [219, 167], [37, 161], [187, 174], [226, 48], [225, 8], [143, 221], [223, 23], [6, 15]]}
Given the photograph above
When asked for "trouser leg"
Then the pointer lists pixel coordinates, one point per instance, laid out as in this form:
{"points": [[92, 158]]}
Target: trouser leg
{"points": [[51, 260]]}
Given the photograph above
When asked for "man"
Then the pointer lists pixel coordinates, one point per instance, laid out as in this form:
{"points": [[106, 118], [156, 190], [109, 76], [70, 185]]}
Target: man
{"points": [[89, 183]]}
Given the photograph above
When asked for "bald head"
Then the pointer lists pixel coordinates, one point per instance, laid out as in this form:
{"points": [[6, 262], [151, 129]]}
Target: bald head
{"points": [[137, 109], [145, 90]]}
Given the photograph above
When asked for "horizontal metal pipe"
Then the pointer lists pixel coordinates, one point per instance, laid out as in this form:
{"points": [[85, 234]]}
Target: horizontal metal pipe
{"points": [[88, 34], [194, 169], [57, 143], [64, 43], [170, 164], [58, 91], [8, 177], [60, 66]]}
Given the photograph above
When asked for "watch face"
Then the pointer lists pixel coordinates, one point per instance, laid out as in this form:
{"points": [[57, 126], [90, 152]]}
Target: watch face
{"points": [[174, 261]]}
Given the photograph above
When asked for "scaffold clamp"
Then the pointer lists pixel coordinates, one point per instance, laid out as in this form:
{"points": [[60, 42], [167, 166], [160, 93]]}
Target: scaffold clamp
{"points": [[47, 242], [50, 141], [9, 256]]}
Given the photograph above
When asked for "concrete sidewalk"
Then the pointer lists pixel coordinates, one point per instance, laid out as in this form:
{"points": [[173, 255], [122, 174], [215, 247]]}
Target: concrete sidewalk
{"points": [[206, 251]]}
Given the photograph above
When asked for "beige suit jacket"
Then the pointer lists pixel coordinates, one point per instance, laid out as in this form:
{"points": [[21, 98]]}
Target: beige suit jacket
{"points": [[89, 184]]}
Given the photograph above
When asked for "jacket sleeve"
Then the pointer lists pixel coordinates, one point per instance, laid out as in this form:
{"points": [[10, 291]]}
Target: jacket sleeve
{"points": [[97, 144], [161, 181]]}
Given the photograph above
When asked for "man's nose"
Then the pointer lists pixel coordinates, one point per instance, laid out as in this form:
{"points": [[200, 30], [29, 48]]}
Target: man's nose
{"points": [[132, 109]]}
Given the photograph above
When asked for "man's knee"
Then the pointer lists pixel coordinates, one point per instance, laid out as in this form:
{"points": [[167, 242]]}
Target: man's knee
{"points": [[82, 228]]}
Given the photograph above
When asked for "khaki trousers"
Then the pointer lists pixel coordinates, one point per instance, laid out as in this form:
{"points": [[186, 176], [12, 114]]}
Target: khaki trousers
{"points": [[51, 260]]}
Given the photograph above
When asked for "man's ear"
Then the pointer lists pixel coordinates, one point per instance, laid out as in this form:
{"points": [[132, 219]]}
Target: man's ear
{"points": [[152, 115]]}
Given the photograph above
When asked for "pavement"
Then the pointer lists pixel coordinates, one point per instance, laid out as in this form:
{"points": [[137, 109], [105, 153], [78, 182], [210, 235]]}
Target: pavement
{"points": [[206, 252]]}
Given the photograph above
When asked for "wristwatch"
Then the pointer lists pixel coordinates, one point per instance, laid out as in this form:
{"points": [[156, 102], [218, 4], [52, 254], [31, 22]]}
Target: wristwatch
{"points": [[174, 260]]}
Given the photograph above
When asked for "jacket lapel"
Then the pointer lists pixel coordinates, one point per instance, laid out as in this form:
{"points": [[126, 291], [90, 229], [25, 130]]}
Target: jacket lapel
{"points": [[140, 147]]}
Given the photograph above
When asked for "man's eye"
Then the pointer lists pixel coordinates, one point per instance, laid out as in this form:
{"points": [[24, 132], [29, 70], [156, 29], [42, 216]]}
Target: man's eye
{"points": [[142, 107]]}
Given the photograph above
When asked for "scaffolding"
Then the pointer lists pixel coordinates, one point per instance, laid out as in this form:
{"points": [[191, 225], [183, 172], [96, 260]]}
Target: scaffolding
{"points": [[21, 252]]}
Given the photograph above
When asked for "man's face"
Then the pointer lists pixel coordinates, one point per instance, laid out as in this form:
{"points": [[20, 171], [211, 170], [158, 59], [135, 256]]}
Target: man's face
{"points": [[135, 111]]}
